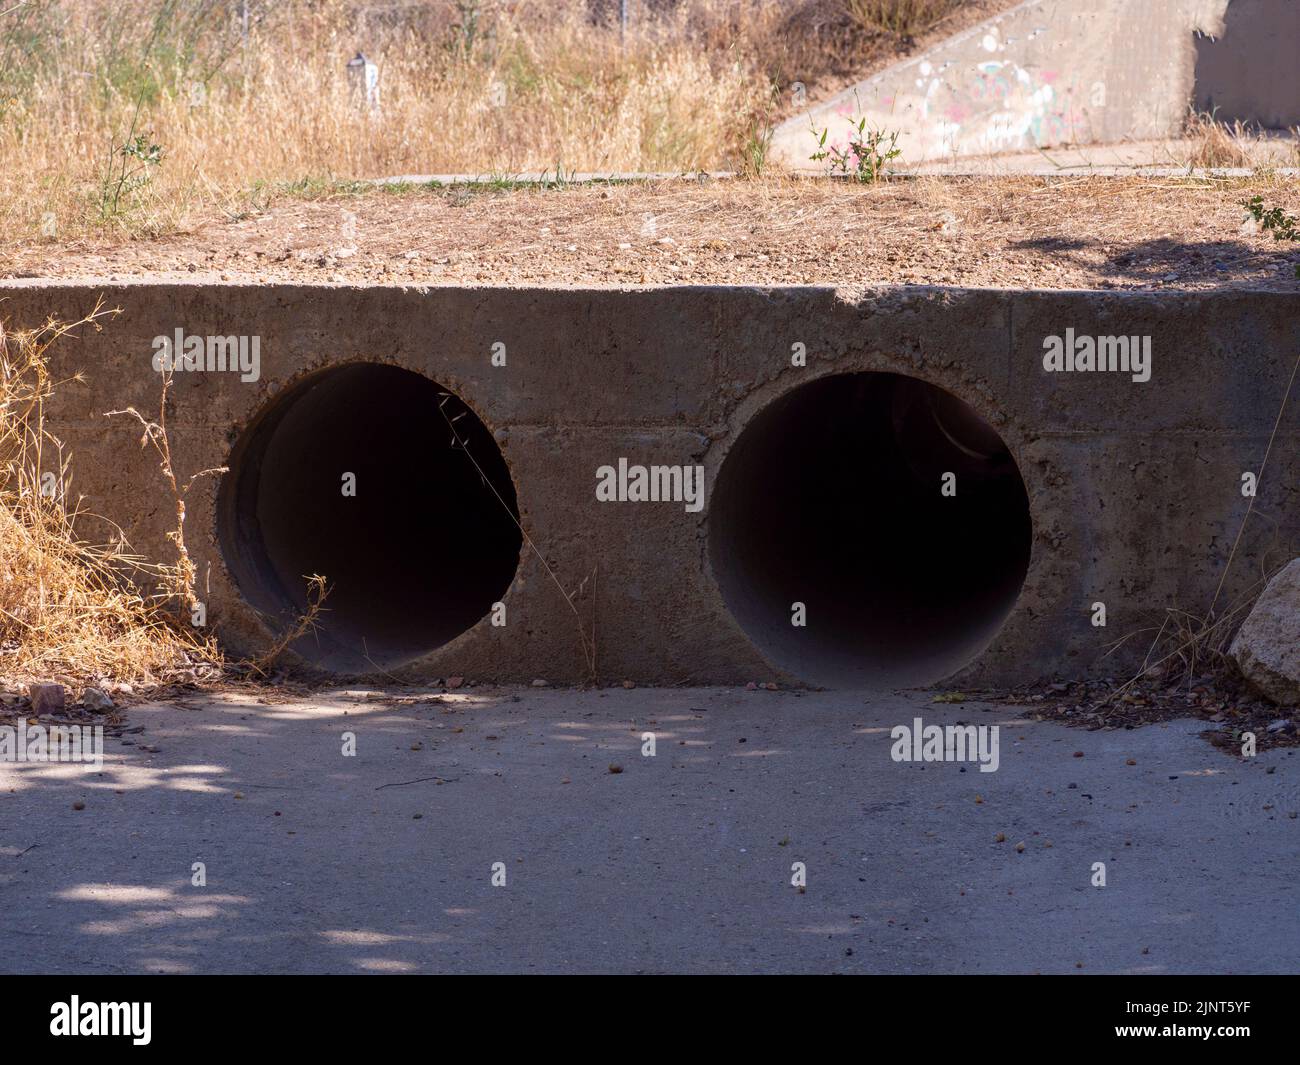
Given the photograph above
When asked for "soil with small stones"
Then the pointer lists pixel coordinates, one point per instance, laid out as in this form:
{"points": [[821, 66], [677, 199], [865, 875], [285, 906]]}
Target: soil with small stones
{"points": [[1074, 233], [1224, 701]]}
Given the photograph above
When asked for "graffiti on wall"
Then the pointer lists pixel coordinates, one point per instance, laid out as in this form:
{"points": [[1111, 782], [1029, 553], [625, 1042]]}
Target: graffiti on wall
{"points": [[989, 106]]}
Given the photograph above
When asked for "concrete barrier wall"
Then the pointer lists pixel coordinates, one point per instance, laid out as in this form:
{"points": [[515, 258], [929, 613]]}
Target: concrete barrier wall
{"points": [[1045, 73], [1134, 489], [1249, 72]]}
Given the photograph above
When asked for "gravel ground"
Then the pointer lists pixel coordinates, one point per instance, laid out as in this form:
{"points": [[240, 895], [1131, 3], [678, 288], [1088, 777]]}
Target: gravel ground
{"points": [[1080, 232]]}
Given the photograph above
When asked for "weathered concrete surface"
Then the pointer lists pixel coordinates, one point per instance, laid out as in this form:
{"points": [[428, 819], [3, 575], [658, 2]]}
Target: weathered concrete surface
{"points": [[1133, 488], [1164, 158], [1045, 73], [681, 863], [1267, 646], [1248, 73]]}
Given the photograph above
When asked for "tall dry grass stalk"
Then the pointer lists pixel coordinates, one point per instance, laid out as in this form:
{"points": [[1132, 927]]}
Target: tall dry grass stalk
{"points": [[907, 18], [1212, 143], [129, 114], [1187, 642], [68, 606]]}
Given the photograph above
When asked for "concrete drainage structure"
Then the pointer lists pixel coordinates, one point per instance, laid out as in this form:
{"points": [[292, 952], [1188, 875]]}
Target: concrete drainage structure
{"points": [[824, 423], [832, 497], [1049, 73], [429, 528]]}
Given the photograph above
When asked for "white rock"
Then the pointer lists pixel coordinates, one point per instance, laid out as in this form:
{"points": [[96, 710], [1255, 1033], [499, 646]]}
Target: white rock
{"points": [[1267, 646], [96, 700]]}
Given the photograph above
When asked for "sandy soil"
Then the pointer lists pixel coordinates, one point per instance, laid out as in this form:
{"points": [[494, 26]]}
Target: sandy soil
{"points": [[1082, 232]]}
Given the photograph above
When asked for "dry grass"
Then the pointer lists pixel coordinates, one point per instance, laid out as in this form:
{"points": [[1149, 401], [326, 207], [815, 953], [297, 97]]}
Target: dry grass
{"points": [[526, 87], [317, 592], [1216, 144], [87, 612], [586, 640], [1188, 644], [68, 607], [131, 114], [907, 18]]}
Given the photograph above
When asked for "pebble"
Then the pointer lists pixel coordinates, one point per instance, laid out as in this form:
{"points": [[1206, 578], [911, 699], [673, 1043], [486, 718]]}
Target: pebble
{"points": [[96, 700], [47, 698]]}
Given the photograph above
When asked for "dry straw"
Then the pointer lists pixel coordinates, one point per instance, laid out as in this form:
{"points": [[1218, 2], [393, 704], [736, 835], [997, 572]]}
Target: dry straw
{"points": [[71, 607], [137, 115]]}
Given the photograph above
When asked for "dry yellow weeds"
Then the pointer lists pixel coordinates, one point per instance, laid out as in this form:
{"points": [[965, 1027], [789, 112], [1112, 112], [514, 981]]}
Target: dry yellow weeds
{"points": [[68, 607], [130, 114]]}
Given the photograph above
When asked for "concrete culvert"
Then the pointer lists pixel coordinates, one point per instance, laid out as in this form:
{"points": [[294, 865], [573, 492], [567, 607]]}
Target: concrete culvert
{"points": [[831, 497], [419, 553]]}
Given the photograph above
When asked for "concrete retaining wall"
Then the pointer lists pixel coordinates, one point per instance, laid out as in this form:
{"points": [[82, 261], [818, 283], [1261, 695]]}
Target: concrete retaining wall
{"points": [[1045, 73], [1134, 489], [1249, 72]]}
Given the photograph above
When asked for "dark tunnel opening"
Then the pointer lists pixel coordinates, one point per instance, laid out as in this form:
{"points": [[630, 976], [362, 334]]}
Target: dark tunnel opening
{"points": [[832, 496], [415, 557]]}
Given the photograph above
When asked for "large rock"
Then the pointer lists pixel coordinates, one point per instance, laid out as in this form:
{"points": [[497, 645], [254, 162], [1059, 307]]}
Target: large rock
{"points": [[47, 698], [97, 701], [1267, 647]]}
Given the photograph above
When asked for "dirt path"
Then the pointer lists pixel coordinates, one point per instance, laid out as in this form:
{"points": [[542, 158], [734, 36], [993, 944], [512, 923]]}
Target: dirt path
{"points": [[1121, 233]]}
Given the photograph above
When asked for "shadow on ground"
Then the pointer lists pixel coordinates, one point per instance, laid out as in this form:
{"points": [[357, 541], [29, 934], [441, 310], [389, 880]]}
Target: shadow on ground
{"points": [[1165, 261]]}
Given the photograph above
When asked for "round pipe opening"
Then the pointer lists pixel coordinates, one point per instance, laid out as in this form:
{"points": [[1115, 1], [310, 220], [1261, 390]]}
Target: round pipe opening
{"points": [[833, 497], [355, 474]]}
